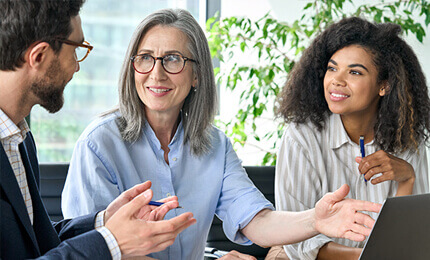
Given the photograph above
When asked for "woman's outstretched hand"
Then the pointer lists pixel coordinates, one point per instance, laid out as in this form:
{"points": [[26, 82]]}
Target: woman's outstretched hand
{"points": [[336, 216]]}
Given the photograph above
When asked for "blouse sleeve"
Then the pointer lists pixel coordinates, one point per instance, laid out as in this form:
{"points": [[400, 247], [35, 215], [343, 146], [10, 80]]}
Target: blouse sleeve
{"points": [[420, 164], [89, 187], [298, 188], [239, 200]]}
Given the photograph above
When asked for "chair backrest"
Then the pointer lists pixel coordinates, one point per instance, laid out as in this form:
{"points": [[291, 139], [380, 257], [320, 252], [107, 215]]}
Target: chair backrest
{"points": [[264, 179], [52, 178]]}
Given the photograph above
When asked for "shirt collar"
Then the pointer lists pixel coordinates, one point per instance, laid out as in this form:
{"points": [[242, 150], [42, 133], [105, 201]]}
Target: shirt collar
{"points": [[337, 135], [8, 127]]}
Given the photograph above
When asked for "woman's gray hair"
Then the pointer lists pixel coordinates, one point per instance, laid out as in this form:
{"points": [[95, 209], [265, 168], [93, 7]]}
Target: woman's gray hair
{"points": [[199, 108]]}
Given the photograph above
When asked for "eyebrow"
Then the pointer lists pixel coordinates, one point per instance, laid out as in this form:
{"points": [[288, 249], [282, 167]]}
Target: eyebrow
{"points": [[351, 65], [165, 53]]}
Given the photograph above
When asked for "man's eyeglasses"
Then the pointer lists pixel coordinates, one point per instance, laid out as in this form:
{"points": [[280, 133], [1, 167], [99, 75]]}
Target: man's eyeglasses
{"points": [[172, 63], [82, 50]]}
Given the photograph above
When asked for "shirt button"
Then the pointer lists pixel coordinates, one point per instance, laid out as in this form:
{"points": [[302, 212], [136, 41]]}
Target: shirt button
{"points": [[168, 194], [174, 159]]}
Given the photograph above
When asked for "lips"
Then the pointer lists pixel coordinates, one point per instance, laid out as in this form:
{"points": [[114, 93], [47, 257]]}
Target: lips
{"points": [[338, 96], [158, 90]]}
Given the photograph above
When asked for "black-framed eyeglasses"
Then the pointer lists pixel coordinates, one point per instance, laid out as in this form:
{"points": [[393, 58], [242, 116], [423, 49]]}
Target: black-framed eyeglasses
{"points": [[82, 49], [171, 63]]}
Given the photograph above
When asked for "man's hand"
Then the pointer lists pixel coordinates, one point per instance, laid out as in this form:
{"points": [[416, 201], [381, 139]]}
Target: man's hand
{"points": [[339, 217], [137, 229]]}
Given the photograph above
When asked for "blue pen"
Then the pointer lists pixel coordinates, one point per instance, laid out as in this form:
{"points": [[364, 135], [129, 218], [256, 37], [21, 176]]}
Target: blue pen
{"points": [[156, 203], [363, 154]]}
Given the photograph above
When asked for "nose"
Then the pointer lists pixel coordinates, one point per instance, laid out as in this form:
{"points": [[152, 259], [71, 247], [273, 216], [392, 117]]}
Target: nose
{"points": [[158, 72], [77, 63], [338, 80]]}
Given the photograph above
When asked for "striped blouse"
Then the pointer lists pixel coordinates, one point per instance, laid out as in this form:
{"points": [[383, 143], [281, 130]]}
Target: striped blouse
{"points": [[312, 163]]}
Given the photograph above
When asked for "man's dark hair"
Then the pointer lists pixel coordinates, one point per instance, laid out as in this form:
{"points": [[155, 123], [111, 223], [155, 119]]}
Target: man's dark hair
{"points": [[24, 22], [403, 119]]}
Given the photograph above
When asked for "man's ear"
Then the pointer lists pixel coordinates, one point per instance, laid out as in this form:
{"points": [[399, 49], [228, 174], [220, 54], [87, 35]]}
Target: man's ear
{"points": [[384, 89], [37, 54]]}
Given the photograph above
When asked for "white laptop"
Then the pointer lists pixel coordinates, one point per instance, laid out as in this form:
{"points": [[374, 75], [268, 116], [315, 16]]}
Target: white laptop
{"points": [[401, 231]]}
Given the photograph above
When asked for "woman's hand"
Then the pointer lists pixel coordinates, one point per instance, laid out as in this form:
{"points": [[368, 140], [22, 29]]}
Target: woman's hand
{"points": [[234, 255], [336, 216], [391, 168]]}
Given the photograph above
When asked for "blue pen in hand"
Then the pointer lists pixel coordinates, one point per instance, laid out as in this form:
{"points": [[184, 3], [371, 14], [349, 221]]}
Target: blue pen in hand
{"points": [[156, 203], [363, 154]]}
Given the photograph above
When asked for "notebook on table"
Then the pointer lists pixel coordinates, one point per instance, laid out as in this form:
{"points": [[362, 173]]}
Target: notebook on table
{"points": [[401, 231]]}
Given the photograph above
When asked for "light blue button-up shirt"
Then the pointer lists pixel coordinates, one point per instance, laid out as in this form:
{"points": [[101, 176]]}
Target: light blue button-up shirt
{"points": [[103, 165]]}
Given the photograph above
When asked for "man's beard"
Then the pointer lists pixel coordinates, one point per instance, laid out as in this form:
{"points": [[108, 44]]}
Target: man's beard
{"points": [[50, 88]]}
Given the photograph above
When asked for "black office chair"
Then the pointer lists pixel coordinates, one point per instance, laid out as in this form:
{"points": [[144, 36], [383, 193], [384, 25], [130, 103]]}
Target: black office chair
{"points": [[52, 178]]}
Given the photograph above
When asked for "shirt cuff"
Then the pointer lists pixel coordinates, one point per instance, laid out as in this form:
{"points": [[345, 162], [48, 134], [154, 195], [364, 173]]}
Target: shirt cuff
{"points": [[108, 236], [100, 220]]}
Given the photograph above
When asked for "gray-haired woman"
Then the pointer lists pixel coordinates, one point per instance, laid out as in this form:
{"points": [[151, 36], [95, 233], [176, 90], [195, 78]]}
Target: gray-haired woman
{"points": [[162, 132]]}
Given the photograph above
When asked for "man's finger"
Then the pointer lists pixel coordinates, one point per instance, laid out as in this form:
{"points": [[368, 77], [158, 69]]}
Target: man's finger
{"points": [[175, 225], [183, 221], [170, 198], [137, 203], [136, 190], [161, 211]]}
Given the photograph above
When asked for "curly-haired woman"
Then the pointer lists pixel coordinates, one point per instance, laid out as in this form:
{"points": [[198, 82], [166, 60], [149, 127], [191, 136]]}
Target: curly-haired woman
{"points": [[356, 79]]}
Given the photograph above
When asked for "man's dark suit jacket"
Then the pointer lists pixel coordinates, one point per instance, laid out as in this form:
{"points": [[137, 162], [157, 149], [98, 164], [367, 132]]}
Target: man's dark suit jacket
{"points": [[20, 240]]}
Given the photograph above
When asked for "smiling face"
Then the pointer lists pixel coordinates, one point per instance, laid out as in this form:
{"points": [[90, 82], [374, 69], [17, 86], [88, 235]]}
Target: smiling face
{"points": [[160, 91], [350, 83]]}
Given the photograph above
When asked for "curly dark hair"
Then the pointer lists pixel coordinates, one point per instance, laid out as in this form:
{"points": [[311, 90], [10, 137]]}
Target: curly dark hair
{"points": [[25, 22], [403, 119]]}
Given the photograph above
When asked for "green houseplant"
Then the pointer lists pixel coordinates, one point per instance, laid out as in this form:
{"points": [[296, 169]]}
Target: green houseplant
{"points": [[275, 46]]}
